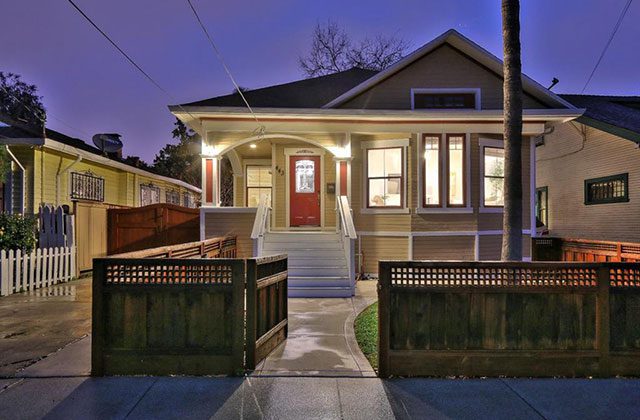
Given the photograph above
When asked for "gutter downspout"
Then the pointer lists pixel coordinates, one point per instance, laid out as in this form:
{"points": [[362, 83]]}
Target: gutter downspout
{"points": [[59, 174], [24, 171]]}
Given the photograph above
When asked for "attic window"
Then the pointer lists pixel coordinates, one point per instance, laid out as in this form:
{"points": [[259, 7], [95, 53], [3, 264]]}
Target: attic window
{"points": [[445, 98]]}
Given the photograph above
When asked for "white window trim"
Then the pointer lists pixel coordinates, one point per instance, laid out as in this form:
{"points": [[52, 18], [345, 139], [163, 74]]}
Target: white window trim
{"points": [[382, 144], [475, 91], [495, 143], [443, 184]]}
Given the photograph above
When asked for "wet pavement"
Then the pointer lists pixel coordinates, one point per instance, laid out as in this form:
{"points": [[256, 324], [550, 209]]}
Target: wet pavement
{"points": [[321, 340], [37, 323]]}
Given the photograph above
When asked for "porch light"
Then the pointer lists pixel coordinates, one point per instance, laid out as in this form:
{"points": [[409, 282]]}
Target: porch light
{"points": [[253, 145]]}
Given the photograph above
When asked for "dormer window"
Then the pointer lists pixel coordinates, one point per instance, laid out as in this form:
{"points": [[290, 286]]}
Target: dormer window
{"points": [[445, 98]]}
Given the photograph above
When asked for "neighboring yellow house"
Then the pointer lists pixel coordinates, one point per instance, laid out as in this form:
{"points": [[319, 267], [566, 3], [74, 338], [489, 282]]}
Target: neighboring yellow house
{"points": [[62, 171]]}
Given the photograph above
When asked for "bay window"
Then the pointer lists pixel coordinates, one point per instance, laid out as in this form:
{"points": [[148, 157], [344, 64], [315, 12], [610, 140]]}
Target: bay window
{"points": [[258, 184], [456, 170], [385, 177], [493, 159]]}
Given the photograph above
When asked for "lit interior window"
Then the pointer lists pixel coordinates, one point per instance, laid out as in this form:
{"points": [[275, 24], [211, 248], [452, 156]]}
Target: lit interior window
{"points": [[456, 171], [432, 171], [384, 173]]}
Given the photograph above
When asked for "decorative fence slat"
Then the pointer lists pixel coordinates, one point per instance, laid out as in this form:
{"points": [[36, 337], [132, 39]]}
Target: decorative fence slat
{"points": [[20, 271]]}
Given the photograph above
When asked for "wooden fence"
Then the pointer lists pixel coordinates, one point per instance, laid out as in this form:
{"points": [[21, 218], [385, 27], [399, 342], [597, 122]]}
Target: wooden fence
{"points": [[513, 319], [585, 250], [151, 226], [20, 271], [266, 306], [55, 227], [181, 310]]}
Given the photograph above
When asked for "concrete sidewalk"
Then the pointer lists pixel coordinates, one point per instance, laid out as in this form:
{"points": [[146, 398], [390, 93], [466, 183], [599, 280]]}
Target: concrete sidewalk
{"points": [[311, 398], [321, 339]]}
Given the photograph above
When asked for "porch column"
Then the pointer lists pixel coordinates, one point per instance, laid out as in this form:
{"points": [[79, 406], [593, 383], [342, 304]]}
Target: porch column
{"points": [[211, 181], [343, 177]]}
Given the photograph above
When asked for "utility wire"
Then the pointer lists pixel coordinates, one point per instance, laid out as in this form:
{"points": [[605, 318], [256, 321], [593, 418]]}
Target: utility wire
{"points": [[131, 60], [606, 47], [226, 68]]}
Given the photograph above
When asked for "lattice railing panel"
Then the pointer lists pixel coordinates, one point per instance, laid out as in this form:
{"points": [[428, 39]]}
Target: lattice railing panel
{"points": [[167, 273], [591, 246], [625, 276], [492, 276]]}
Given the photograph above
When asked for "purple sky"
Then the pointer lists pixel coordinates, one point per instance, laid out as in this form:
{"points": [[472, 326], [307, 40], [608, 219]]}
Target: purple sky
{"points": [[88, 85]]}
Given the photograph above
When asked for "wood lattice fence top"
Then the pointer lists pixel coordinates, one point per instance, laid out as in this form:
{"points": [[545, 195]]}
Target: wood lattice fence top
{"points": [[525, 275]]}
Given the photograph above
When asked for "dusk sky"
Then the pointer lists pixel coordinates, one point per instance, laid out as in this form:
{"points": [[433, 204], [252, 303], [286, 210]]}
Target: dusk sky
{"points": [[87, 84]]}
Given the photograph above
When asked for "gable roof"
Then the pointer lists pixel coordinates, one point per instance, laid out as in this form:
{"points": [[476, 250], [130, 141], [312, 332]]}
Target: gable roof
{"points": [[618, 115], [305, 93], [468, 47]]}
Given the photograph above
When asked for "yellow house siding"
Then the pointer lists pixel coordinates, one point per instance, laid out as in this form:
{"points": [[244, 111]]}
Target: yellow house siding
{"points": [[603, 154], [444, 67], [490, 247], [238, 224], [444, 248], [376, 248]]}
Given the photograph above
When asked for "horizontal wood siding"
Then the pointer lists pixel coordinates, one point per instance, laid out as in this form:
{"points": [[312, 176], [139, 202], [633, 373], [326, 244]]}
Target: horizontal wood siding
{"points": [[444, 248], [376, 248], [564, 163], [231, 224], [491, 247], [444, 67]]}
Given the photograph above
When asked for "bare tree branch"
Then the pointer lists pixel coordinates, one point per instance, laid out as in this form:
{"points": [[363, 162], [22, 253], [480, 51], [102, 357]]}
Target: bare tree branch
{"points": [[332, 51]]}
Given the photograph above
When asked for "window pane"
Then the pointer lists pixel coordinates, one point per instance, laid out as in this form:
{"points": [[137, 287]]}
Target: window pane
{"points": [[305, 176], [385, 192], [384, 162], [258, 176], [456, 170], [254, 195], [432, 171], [493, 161], [494, 191]]}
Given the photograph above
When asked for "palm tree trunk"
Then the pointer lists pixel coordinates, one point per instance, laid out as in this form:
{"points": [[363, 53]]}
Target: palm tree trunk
{"points": [[512, 218]]}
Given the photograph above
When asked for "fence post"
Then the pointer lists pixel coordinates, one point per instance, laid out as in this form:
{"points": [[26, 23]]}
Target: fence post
{"points": [[238, 273], [4, 273], [97, 324], [384, 284], [603, 320], [252, 306]]}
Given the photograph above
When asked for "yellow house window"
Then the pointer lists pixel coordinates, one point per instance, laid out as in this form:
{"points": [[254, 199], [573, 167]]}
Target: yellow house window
{"points": [[149, 194]]}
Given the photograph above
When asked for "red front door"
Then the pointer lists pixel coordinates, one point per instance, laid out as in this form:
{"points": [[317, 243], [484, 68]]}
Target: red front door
{"points": [[304, 190]]}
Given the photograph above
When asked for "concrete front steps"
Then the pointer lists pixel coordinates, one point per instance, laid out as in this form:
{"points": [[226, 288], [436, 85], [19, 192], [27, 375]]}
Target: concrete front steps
{"points": [[317, 265]]}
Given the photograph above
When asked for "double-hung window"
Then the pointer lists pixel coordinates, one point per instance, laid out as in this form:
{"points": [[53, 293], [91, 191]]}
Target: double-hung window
{"points": [[258, 184], [456, 183], [493, 176], [431, 172], [385, 177]]}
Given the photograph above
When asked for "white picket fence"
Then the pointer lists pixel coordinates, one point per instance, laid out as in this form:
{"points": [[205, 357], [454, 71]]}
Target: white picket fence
{"points": [[20, 271]]}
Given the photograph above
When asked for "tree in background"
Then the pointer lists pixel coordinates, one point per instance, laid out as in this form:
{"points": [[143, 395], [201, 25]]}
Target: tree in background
{"points": [[512, 217], [332, 50], [181, 161], [20, 101]]}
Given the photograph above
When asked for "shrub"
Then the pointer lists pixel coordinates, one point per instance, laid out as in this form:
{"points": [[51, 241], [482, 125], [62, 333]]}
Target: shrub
{"points": [[17, 232]]}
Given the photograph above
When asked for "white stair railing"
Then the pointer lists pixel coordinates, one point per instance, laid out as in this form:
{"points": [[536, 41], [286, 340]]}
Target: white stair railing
{"points": [[261, 225], [348, 235]]}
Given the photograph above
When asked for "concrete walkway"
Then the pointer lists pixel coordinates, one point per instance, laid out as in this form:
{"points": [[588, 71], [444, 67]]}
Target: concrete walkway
{"points": [[321, 339]]}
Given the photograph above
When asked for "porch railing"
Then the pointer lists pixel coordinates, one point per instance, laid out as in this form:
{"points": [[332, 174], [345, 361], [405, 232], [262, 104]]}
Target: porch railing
{"points": [[221, 247], [348, 236], [261, 225]]}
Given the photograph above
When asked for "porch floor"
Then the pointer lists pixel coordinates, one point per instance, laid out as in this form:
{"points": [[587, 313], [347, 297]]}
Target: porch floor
{"points": [[321, 340]]}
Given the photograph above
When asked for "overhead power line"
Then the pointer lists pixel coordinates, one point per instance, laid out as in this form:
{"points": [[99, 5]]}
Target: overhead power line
{"points": [[625, 9], [129, 59], [224, 65]]}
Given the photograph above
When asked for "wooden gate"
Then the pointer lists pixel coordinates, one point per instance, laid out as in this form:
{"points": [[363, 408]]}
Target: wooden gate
{"points": [[91, 233], [266, 306], [151, 226]]}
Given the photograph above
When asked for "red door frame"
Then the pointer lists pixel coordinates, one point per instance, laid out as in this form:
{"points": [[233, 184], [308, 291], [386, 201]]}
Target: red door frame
{"points": [[305, 209]]}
